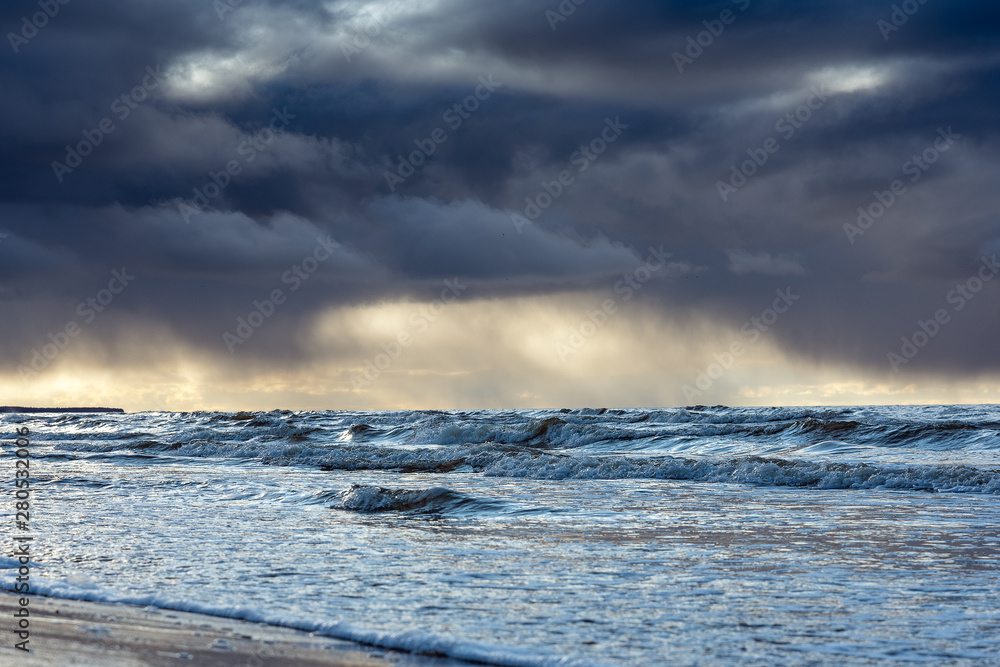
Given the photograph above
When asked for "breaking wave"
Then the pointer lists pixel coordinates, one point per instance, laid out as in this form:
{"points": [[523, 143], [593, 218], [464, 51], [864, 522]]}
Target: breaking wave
{"points": [[365, 498], [943, 448]]}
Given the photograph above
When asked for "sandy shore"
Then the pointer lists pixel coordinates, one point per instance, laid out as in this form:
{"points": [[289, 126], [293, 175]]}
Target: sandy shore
{"points": [[69, 632]]}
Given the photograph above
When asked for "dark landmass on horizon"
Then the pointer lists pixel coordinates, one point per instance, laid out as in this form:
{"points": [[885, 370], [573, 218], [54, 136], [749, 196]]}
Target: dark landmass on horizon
{"points": [[18, 409]]}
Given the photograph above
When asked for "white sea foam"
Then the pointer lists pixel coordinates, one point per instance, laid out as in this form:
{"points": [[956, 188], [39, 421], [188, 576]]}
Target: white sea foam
{"points": [[684, 536], [412, 641], [507, 460]]}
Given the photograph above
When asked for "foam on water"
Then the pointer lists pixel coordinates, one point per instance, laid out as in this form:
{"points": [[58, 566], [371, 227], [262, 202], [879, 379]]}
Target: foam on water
{"points": [[413, 641], [509, 461], [595, 430], [542, 537]]}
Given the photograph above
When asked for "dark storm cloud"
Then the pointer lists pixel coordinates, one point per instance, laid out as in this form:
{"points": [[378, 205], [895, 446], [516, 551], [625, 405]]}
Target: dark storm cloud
{"points": [[219, 82]]}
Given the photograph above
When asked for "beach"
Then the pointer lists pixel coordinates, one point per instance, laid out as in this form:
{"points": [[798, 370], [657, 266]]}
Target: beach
{"points": [[523, 334], [71, 632]]}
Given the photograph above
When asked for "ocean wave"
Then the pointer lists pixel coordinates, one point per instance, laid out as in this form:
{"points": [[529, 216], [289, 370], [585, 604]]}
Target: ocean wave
{"points": [[548, 432], [519, 460], [946, 428], [631, 429], [436, 500], [439, 442], [756, 470]]}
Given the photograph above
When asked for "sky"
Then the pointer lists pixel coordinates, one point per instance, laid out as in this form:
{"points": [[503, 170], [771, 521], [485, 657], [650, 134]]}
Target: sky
{"points": [[435, 204]]}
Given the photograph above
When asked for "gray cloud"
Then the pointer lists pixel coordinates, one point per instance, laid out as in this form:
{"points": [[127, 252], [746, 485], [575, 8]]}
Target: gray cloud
{"points": [[658, 184]]}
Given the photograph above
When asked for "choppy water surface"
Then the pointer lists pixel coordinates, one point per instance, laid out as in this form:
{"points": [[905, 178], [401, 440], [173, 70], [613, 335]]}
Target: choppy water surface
{"points": [[675, 536]]}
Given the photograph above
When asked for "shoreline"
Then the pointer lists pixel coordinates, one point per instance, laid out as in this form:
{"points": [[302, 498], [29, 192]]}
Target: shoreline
{"points": [[75, 632]]}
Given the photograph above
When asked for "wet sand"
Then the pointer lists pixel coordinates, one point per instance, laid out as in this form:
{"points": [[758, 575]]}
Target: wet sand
{"points": [[70, 632]]}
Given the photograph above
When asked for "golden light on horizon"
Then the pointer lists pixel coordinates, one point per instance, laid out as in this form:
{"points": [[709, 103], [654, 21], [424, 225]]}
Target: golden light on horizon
{"points": [[514, 352]]}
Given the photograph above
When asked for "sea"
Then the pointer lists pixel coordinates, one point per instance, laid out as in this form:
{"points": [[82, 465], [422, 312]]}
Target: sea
{"points": [[682, 536]]}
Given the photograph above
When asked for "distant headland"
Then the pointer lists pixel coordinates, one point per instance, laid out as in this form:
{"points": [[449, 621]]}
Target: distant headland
{"points": [[18, 409]]}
